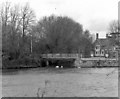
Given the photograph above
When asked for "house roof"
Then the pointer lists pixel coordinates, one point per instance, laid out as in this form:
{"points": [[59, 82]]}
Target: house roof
{"points": [[101, 42], [104, 43], [117, 33]]}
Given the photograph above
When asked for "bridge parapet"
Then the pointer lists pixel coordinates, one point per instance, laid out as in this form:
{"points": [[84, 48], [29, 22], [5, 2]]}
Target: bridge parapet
{"points": [[60, 55]]}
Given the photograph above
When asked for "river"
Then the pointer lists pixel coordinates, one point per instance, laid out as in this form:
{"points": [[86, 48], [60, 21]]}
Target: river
{"points": [[53, 82]]}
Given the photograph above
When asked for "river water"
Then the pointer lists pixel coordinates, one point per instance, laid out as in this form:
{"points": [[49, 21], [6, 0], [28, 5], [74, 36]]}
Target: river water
{"points": [[52, 82]]}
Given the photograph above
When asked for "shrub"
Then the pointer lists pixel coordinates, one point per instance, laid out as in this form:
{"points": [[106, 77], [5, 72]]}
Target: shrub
{"points": [[23, 61]]}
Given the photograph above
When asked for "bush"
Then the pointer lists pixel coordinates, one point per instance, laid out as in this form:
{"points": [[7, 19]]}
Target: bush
{"points": [[23, 61], [30, 61]]}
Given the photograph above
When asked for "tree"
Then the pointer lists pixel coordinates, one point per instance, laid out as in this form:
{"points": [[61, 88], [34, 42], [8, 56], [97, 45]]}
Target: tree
{"points": [[114, 26], [4, 11], [27, 17], [60, 35], [114, 29], [87, 33], [27, 20], [16, 25]]}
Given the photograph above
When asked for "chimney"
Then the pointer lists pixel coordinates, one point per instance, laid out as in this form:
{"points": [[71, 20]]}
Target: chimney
{"points": [[106, 35], [97, 36]]}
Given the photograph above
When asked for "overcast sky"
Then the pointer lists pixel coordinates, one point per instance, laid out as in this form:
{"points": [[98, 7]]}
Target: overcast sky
{"points": [[94, 15]]}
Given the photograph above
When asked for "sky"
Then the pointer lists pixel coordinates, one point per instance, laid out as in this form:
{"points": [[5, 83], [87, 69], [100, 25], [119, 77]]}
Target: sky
{"points": [[94, 15]]}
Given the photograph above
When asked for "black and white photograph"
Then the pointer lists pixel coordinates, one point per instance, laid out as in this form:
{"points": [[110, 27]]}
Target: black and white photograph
{"points": [[60, 48]]}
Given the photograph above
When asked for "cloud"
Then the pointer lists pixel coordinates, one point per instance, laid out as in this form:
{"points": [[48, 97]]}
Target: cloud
{"points": [[98, 24], [95, 15], [54, 2]]}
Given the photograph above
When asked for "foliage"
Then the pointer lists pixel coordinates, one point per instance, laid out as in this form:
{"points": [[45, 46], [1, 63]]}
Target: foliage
{"points": [[23, 61], [15, 27], [61, 35], [22, 35]]}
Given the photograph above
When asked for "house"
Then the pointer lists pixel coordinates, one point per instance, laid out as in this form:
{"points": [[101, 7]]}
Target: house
{"points": [[105, 47]]}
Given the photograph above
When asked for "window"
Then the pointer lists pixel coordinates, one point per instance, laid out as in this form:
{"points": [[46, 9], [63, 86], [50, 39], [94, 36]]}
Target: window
{"points": [[102, 52], [96, 53], [97, 47]]}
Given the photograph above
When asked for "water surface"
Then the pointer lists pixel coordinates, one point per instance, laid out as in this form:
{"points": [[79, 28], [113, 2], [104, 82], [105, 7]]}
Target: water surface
{"points": [[69, 82]]}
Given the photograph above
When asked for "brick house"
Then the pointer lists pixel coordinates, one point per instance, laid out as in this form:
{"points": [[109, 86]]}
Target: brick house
{"points": [[105, 47]]}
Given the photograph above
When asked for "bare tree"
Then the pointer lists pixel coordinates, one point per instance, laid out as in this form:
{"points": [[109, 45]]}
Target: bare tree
{"points": [[114, 26], [5, 12], [5, 15], [16, 24], [15, 29], [28, 18]]}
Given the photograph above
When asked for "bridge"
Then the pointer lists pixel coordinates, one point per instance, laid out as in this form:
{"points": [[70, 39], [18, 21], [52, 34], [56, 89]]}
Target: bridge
{"points": [[59, 59]]}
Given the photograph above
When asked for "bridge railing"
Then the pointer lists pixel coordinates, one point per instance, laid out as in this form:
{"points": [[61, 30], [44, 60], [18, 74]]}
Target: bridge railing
{"points": [[60, 55]]}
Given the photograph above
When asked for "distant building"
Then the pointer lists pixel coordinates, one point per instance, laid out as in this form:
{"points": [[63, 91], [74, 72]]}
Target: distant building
{"points": [[106, 47]]}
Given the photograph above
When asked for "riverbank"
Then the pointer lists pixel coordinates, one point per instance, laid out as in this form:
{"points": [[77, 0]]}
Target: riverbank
{"points": [[35, 61], [51, 68]]}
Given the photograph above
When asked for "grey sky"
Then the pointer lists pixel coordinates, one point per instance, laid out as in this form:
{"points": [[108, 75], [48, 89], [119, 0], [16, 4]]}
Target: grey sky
{"points": [[94, 15]]}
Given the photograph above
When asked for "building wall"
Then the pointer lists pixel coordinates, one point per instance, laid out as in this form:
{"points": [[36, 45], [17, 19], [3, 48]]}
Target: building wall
{"points": [[99, 51]]}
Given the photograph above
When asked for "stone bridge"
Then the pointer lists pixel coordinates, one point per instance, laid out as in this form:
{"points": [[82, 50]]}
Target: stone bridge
{"points": [[59, 59]]}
